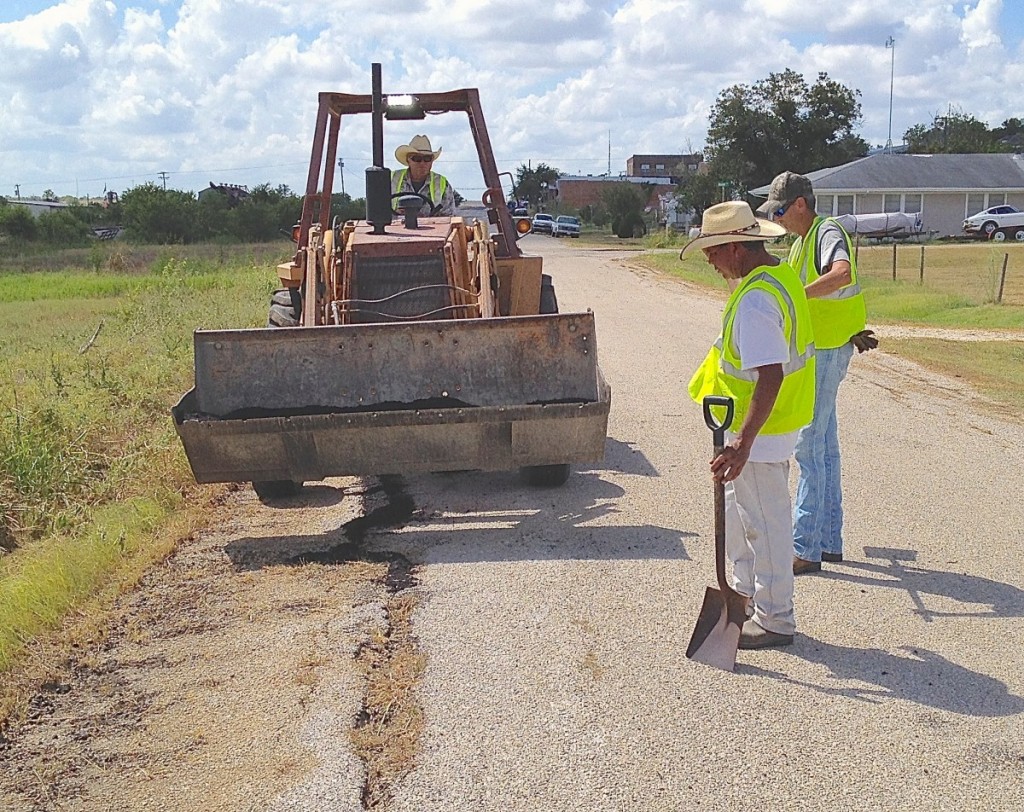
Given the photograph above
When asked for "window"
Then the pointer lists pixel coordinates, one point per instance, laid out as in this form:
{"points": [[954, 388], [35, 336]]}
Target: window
{"points": [[844, 204], [645, 166], [890, 203], [823, 204], [659, 166], [997, 200], [913, 204]]}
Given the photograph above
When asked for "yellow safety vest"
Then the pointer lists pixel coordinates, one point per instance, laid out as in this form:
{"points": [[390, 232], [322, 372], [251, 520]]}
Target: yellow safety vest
{"points": [[721, 373], [436, 186], [841, 313]]}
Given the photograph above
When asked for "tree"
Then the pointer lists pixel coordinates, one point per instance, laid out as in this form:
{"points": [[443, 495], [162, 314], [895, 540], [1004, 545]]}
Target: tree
{"points": [[625, 203], [756, 131], [17, 223], [697, 192], [63, 229], [958, 132], [153, 214], [535, 185]]}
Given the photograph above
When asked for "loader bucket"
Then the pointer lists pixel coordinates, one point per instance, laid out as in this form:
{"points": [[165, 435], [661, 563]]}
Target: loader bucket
{"points": [[306, 403]]}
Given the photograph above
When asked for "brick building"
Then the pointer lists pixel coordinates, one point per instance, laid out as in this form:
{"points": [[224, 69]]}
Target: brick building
{"points": [[663, 166]]}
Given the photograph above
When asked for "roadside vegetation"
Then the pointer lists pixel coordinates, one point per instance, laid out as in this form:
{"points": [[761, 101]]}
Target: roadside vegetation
{"points": [[93, 485]]}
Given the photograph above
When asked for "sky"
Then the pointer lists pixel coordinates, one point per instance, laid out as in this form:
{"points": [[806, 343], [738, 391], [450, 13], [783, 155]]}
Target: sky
{"points": [[102, 95]]}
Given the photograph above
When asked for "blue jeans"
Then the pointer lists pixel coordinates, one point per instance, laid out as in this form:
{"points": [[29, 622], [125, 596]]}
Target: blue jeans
{"points": [[818, 511]]}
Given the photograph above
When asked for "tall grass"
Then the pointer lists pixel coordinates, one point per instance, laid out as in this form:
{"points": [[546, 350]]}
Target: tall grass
{"points": [[90, 364]]}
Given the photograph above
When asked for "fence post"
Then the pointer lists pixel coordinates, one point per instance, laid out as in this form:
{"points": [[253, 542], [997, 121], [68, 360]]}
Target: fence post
{"points": [[922, 266], [894, 261], [1002, 279]]}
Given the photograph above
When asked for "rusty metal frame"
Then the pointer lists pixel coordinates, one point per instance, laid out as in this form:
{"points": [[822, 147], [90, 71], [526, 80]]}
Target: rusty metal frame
{"points": [[316, 205]]}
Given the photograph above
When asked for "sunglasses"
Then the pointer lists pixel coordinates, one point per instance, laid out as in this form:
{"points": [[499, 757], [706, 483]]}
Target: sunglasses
{"points": [[421, 159], [782, 210]]}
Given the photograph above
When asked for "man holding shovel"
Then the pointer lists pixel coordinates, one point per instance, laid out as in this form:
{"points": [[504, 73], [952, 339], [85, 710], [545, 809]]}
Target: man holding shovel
{"points": [[764, 361]]}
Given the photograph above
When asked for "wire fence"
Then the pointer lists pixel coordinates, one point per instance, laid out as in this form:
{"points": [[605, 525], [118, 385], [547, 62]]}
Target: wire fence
{"points": [[986, 273]]}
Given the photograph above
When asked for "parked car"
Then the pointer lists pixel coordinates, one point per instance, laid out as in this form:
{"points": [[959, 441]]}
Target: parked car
{"points": [[543, 223], [565, 226], [996, 223]]}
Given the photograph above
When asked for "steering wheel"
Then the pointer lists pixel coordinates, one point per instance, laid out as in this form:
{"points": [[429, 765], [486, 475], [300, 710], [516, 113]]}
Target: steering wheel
{"points": [[431, 208]]}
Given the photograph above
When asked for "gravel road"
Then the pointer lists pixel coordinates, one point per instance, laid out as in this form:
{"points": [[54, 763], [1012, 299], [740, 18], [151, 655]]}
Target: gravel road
{"points": [[553, 623]]}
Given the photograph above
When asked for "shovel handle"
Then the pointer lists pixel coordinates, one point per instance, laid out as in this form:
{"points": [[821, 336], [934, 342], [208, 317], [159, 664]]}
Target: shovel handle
{"points": [[718, 429]]}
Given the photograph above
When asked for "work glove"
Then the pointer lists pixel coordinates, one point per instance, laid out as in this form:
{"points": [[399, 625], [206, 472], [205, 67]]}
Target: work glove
{"points": [[864, 340]]}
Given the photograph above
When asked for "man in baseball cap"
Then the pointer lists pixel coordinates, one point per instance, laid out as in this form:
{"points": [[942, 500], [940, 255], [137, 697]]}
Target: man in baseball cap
{"points": [[824, 259], [763, 360]]}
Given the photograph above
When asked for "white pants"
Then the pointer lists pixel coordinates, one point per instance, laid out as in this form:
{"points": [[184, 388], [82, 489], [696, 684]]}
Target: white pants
{"points": [[759, 542]]}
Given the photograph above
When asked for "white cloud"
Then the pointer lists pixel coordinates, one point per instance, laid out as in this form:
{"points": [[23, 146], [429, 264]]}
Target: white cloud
{"points": [[226, 90]]}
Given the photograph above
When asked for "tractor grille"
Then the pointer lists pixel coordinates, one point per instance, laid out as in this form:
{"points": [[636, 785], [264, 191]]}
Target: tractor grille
{"points": [[411, 287]]}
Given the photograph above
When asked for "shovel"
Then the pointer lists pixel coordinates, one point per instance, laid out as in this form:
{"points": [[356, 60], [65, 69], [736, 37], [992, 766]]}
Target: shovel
{"points": [[716, 636]]}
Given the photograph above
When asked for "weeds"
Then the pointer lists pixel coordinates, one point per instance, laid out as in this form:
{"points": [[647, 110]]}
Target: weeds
{"points": [[85, 429]]}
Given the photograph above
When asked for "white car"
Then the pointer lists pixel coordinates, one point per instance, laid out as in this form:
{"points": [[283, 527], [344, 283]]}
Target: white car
{"points": [[543, 223], [997, 223], [565, 226]]}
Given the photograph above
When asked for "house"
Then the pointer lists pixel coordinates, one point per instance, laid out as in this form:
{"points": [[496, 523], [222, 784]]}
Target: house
{"points": [[943, 189]]}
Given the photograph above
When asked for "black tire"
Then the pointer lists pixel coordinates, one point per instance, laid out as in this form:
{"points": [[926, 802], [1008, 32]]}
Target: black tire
{"points": [[285, 308], [548, 300], [546, 476], [1018, 234], [988, 229], [276, 488]]}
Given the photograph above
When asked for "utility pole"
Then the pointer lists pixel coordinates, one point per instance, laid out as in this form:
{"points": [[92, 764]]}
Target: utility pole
{"points": [[341, 169], [609, 153], [891, 44], [17, 190], [163, 177]]}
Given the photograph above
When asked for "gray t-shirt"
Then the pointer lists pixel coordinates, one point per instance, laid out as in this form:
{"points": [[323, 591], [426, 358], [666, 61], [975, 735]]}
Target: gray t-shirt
{"points": [[831, 245]]}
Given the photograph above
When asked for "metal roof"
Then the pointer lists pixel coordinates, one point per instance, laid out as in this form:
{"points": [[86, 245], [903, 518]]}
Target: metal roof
{"points": [[919, 173]]}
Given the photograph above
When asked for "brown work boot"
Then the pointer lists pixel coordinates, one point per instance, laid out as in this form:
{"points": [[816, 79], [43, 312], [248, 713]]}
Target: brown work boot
{"points": [[833, 557], [801, 567], [754, 636]]}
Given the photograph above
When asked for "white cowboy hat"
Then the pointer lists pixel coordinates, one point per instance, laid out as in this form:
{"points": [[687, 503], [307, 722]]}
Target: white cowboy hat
{"points": [[733, 221], [419, 144]]}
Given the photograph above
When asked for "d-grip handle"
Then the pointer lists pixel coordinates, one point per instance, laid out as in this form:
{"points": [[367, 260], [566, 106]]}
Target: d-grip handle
{"points": [[717, 428]]}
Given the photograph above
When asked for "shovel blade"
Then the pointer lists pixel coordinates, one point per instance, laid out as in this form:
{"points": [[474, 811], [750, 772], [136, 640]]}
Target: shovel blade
{"points": [[715, 638]]}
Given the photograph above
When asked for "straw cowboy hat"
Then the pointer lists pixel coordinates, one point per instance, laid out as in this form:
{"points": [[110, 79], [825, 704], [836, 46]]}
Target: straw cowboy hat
{"points": [[419, 144], [731, 222]]}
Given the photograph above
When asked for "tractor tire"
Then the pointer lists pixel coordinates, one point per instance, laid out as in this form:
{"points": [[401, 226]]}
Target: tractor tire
{"points": [[548, 300], [999, 236], [285, 308], [1018, 233], [276, 489], [546, 476]]}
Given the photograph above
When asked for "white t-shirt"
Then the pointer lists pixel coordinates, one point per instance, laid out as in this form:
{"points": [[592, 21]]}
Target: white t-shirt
{"points": [[759, 339]]}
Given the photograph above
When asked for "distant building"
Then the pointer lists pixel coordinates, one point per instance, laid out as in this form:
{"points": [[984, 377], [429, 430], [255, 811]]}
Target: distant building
{"points": [[38, 207], [672, 167], [576, 191]]}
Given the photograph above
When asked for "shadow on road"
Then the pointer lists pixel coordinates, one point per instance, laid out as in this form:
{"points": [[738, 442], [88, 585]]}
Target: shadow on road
{"points": [[487, 517], [915, 674], [982, 597]]}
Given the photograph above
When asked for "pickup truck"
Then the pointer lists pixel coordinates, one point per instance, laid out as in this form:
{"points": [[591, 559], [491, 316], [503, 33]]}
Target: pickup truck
{"points": [[566, 226], [996, 223]]}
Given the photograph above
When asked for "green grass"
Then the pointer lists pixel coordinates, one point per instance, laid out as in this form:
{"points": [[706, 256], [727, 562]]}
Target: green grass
{"points": [[91, 470]]}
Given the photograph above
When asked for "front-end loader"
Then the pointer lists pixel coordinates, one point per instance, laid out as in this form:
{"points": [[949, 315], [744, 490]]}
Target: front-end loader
{"points": [[403, 343]]}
